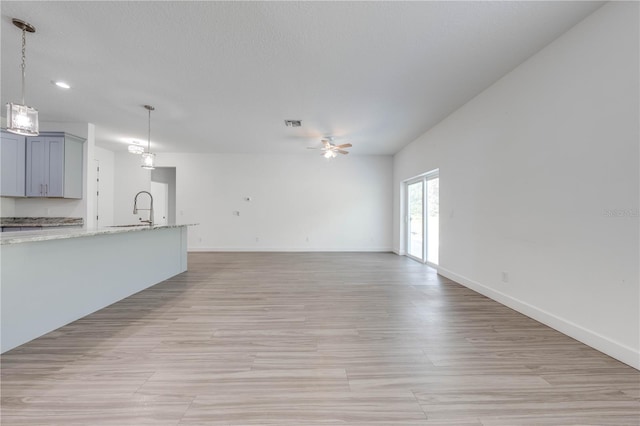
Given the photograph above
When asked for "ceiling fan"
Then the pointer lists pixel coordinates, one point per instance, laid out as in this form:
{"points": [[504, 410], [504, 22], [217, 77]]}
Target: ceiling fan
{"points": [[331, 150]]}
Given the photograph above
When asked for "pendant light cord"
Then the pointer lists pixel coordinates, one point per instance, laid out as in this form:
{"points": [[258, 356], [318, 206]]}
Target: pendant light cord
{"points": [[149, 139], [149, 108], [24, 65]]}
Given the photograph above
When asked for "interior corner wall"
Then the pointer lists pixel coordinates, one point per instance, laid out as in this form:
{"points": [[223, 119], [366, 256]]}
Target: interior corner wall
{"points": [[296, 202], [105, 207], [539, 178]]}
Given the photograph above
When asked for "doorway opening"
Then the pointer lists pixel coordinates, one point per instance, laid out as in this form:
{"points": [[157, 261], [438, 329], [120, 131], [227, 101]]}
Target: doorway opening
{"points": [[163, 190], [423, 218]]}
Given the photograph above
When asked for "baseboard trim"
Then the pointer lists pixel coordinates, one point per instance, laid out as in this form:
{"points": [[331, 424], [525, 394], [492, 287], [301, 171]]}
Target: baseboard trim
{"points": [[597, 341], [290, 250]]}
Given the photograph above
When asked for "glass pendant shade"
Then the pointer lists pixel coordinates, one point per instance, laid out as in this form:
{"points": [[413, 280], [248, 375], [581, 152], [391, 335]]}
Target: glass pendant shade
{"points": [[148, 161], [22, 120]]}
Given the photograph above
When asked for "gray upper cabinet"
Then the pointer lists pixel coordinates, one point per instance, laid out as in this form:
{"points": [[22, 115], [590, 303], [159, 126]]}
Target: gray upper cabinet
{"points": [[54, 165], [12, 165], [37, 166]]}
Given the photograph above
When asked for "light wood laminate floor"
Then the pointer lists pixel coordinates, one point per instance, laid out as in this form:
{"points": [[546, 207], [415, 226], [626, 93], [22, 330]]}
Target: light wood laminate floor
{"points": [[312, 338]]}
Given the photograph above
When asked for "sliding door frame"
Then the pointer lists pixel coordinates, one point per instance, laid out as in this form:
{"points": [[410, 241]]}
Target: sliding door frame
{"points": [[407, 222], [433, 174]]}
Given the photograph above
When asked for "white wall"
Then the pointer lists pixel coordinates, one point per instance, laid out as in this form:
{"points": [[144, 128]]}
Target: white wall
{"points": [[529, 172], [298, 202], [7, 207], [50, 207], [129, 179]]}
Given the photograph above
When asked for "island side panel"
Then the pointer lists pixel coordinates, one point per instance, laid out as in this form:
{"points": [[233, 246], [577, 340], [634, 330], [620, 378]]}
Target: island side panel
{"points": [[47, 284], [183, 249]]}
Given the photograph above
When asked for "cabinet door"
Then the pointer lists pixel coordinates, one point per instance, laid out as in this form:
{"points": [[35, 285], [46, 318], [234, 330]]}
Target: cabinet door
{"points": [[12, 165], [37, 166], [54, 187]]}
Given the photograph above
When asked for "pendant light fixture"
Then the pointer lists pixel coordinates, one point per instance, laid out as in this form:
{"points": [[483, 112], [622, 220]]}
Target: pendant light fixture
{"points": [[135, 148], [22, 119], [148, 159]]}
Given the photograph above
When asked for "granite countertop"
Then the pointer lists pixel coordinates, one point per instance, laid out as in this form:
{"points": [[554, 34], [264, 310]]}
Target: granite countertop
{"points": [[64, 233], [45, 222]]}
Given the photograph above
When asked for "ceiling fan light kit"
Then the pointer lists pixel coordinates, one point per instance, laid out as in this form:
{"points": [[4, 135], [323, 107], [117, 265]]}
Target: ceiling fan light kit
{"points": [[330, 150]]}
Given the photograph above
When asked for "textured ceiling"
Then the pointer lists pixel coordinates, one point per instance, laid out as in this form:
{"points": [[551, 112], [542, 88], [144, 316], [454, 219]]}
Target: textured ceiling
{"points": [[224, 76]]}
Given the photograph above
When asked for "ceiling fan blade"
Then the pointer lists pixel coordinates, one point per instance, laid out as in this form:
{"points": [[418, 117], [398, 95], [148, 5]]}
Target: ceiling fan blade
{"points": [[342, 151], [312, 147], [344, 145]]}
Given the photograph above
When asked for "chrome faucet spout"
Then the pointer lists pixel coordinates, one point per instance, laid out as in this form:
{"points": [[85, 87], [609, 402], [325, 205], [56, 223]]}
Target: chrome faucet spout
{"points": [[135, 207]]}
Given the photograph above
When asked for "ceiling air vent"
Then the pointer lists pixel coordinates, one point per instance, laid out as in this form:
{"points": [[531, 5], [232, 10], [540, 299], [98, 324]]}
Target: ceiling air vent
{"points": [[293, 123]]}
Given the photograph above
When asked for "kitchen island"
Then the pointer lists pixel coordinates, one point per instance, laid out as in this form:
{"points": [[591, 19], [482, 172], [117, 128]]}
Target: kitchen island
{"points": [[52, 277]]}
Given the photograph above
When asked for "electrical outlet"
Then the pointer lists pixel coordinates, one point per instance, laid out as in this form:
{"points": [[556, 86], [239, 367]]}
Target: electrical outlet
{"points": [[505, 277], [257, 240], [307, 239]]}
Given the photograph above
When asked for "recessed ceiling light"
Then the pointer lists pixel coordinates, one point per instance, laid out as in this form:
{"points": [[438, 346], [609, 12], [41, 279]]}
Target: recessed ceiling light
{"points": [[62, 84]]}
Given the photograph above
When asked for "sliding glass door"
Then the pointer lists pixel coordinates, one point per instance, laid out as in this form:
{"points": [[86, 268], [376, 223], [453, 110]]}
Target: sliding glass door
{"points": [[423, 218], [415, 227]]}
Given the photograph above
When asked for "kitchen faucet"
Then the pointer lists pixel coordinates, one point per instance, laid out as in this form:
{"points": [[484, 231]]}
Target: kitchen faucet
{"points": [[135, 207]]}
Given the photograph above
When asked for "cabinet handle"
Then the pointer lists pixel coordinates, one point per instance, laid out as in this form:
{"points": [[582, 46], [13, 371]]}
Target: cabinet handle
{"points": [[46, 189], [40, 189]]}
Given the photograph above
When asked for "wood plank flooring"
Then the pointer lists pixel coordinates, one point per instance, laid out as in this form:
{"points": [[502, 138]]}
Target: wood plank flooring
{"points": [[310, 339]]}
